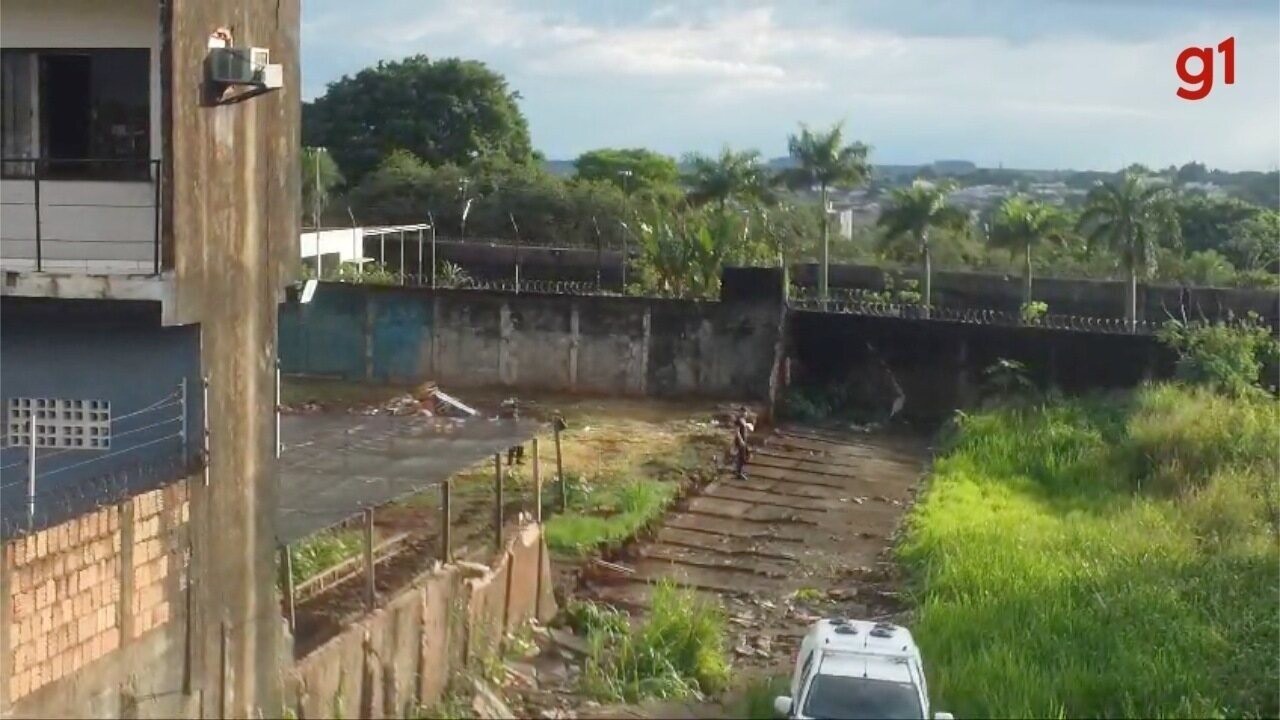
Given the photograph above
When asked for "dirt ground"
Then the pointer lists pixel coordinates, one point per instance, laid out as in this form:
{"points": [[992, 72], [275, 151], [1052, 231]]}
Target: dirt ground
{"points": [[805, 536], [607, 440]]}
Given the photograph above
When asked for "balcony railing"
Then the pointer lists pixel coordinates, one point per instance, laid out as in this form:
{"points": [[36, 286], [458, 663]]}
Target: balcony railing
{"points": [[90, 215]]}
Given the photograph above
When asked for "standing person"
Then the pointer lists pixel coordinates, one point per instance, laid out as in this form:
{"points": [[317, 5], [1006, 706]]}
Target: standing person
{"points": [[741, 448], [511, 411]]}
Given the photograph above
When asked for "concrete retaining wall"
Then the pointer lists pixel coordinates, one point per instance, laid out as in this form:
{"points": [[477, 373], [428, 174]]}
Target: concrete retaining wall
{"points": [[616, 345], [404, 654]]}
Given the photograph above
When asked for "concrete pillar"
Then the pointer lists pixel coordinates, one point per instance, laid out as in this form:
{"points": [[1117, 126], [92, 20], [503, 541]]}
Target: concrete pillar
{"points": [[646, 323], [124, 608], [506, 362], [964, 390], [433, 369], [369, 311], [575, 339]]}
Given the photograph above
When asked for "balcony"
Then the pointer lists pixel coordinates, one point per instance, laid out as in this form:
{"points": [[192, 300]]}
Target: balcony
{"points": [[80, 217]]}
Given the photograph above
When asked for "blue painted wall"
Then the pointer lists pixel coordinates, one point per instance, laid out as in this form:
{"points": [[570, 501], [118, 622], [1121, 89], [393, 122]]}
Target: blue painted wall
{"points": [[100, 350]]}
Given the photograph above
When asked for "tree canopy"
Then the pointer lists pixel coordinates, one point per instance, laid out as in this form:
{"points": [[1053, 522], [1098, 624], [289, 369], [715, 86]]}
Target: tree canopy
{"points": [[443, 111], [731, 175], [633, 170]]}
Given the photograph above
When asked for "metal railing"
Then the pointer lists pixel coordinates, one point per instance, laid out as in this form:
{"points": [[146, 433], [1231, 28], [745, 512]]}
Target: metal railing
{"points": [[55, 214]]}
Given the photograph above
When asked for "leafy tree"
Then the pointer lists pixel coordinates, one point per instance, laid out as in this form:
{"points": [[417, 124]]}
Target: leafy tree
{"points": [[1130, 217], [1020, 225], [912, 212], [320, 175], [682, 253], [1254, 244], [443, 111], [1206, 222], [824, 160], [1226, 357], [728, 176], [633, 170]]}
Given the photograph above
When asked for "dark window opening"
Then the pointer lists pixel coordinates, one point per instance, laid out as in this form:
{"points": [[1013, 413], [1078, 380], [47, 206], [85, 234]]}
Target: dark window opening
{"points": [[76, 114]]}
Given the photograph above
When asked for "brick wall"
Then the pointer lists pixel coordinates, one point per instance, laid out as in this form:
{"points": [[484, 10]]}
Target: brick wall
{"points": [[79, 590]]}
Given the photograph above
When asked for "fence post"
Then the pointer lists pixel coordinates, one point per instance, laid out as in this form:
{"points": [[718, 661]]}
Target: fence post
{"points": [[419, 282], [402, 273], [370, 589], [36, 179], [31, 472], [286, 581], [224, 699], [497, 500], [537, 483], [182, 408], [556, 424], [279, 444], [446, 521]]}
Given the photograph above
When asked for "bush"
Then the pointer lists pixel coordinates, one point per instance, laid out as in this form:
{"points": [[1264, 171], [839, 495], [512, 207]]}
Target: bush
{"points": [[678, 650], [1227, 358]]}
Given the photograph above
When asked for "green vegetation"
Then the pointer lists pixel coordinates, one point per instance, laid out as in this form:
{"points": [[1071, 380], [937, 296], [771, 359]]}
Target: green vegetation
{"points": [[1227, 358], [1020, 226], [321, 552], [911, 213], [1104, 556], [676, 651], [757, 698], [606, 515]]}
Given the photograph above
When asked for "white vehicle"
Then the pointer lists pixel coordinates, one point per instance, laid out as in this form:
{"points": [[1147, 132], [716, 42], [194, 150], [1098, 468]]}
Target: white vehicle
{"points": [[857, 669]]}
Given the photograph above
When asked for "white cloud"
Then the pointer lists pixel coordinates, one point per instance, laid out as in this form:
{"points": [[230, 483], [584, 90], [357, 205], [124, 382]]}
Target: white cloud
{"points": [[678, 75]]}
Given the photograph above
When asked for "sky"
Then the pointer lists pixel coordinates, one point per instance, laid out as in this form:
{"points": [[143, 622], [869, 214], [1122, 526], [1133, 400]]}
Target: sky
{"points": [[1080, 84]]}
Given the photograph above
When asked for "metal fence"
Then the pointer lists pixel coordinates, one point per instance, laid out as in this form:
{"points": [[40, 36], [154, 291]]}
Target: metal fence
{"points": [[973, 316], [52, 219]]}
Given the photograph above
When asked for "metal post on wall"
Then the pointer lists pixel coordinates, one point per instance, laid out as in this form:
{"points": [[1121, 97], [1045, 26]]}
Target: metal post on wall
{"points": [[419, 282], [182, 409], [402, 278], [204, 458], [432, 220], [279, 443], [31, 471], [599, 251], [497, 500], [516, 228], [155, 204], [370, 588], [537, 482]]}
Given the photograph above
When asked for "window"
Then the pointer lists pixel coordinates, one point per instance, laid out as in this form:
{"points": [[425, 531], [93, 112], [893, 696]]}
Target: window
{"points": [[76, 424], [82, 114]]}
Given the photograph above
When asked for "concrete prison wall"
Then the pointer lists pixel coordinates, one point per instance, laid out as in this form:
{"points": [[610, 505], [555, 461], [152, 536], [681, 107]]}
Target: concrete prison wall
{"points": [[403, 655], [92, 613], [618, 345]]}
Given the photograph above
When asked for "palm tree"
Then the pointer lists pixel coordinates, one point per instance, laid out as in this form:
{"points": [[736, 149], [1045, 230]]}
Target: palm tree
{"points": [[1020, 225], [823, 159], [729, 176], [1130, 217], [911, 212]]}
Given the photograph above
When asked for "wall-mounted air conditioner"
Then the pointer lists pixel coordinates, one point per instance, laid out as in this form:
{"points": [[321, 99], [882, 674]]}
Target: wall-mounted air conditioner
{"points": [[244, 66]]}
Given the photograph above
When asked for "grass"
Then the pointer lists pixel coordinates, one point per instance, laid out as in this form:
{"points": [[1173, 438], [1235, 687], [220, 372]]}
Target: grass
{"points": [[676, 651], [609, 515], [1105, 556], [757, 698], [322, 551]]}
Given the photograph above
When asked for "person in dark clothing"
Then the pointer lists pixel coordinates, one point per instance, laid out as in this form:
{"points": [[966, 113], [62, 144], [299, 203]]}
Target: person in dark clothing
{"points": [[511, 411], [741, 446]]}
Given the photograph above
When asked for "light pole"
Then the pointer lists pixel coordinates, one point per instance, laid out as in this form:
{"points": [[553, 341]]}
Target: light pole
{"points": [[466, 208]]}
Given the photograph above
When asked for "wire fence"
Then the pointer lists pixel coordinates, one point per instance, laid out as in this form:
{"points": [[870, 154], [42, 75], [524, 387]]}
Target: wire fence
{"points": [[47, 484], [974, 316]]}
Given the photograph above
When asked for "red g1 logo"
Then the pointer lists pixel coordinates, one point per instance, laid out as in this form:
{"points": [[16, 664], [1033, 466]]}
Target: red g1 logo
{"points": [[1195, 69]]}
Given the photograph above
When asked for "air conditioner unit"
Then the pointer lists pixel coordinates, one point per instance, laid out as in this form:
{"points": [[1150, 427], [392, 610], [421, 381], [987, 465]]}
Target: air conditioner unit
{"points": [[240, 66]]}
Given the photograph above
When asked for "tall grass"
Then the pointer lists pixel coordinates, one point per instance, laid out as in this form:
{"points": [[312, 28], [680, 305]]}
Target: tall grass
{"points": [[321, 552], [614, 513], [676, 651], [1105, 556]]}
